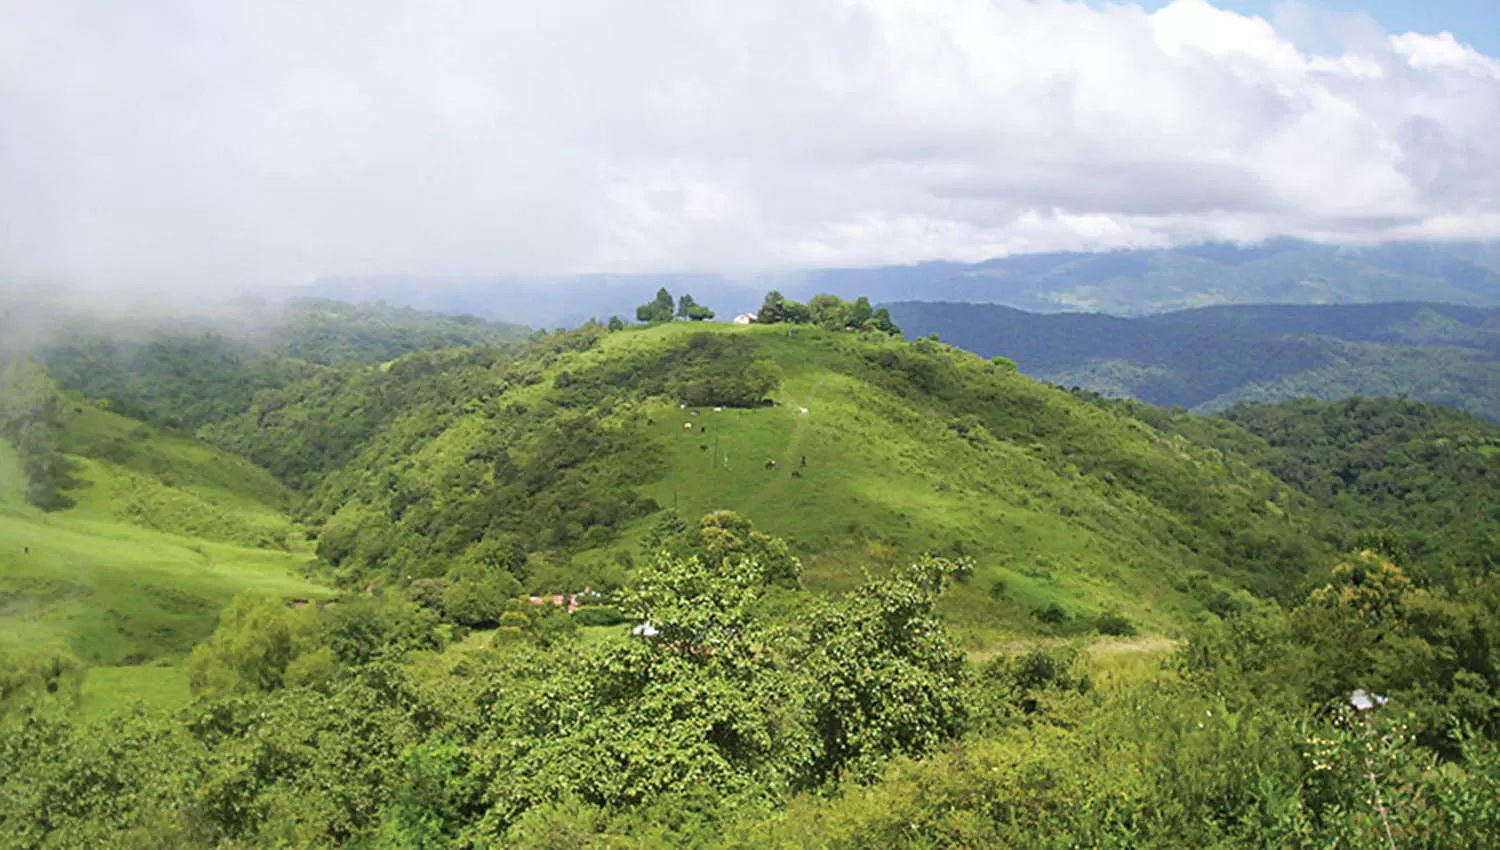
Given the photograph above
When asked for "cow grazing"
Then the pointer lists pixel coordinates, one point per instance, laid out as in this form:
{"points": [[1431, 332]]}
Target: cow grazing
{"points": [[770, 464]]}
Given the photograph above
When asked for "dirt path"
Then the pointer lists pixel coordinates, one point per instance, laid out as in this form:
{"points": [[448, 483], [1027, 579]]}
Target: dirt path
{"points": [[790, 454]]}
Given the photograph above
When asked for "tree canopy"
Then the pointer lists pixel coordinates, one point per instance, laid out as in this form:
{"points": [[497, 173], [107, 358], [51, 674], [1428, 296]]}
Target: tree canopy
{"points": [[657, 310]]}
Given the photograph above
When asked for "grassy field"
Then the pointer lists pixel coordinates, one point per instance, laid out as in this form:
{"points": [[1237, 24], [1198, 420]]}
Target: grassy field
{"points": [[136, 572], [886, 480], [132, 472], [104, 689]]}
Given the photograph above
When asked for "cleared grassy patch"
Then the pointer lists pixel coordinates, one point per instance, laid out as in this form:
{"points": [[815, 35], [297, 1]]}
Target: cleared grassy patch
{"points": [[113, 592], [132, 472], [159, 540], [109, 689]]}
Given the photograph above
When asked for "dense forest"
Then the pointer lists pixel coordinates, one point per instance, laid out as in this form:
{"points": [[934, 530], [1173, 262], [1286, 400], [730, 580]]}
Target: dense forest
{"points": [[797, 583], [1211, 358]]}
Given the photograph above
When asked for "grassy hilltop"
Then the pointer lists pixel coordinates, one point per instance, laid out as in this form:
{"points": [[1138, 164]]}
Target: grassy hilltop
{"points": [[575, 448]]}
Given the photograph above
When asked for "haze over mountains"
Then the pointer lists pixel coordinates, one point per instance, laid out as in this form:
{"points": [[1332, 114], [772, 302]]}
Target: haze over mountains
{"points": [[1210, 358], [1126, 283]]}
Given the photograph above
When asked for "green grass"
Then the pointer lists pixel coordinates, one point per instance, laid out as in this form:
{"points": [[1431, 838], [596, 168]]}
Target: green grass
{"points": [[107, 689], [159, 540], [113, 592], [887, 479], [133, 472]]}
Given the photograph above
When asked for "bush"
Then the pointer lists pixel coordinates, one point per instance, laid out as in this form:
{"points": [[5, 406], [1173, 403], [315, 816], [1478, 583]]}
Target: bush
{"points": [[1114, 624], [598, 615], [250, 650]]}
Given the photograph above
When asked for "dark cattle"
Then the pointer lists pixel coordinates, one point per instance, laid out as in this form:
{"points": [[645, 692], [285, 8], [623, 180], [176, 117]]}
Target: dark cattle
{"points": [[804, 461], [796, 473], [703, 447]]}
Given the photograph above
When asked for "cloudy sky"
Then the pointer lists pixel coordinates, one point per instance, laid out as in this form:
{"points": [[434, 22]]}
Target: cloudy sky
{"points": [[242, 143]]}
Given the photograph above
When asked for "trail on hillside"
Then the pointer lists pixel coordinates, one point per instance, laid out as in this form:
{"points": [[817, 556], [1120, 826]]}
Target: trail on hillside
{"points": [[782, 480]]}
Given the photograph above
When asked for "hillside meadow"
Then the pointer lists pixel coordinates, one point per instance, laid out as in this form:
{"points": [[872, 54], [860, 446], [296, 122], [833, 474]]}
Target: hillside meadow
{"points": [[162, 534]]}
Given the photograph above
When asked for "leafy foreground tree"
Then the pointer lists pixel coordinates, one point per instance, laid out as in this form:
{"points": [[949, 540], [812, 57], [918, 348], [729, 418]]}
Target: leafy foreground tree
{"points": [[340, 725], [722, 697]]}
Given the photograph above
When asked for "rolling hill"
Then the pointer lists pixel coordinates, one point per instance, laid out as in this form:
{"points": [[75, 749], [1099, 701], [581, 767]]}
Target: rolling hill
{"points": [[1276, 557], [571, 450], [1211, 358], [163, 532]]}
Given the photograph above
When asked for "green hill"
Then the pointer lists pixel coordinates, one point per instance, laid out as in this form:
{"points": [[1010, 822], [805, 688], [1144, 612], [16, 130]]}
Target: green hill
{"points": [[190, 369], [572, 450], [132, 472], [1211, 358], [163, 532], [1315, 581]]}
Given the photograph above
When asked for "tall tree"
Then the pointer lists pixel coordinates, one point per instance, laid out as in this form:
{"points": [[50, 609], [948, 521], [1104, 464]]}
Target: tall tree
{"points": [[32, 415], [687, 308], [658, 309]]}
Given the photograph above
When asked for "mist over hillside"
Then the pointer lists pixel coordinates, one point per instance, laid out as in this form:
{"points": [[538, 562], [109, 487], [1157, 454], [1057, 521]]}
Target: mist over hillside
{"points": [[302, 583], [1125, 283], [435, 425]]}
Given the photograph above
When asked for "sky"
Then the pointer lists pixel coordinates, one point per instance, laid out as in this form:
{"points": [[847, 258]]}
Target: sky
{"points": [[228, 145], [1474, 22]]}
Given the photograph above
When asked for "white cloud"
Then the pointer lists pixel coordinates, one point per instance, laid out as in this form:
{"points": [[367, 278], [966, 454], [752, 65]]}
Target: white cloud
{"points": [[235, 143]]}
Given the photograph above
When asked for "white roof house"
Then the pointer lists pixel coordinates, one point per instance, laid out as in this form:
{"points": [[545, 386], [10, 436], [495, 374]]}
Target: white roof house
{"points": [[743, 319]]}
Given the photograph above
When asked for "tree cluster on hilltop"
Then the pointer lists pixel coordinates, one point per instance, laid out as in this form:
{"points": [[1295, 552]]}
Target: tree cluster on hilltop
{"points": [[660, 309], [827, 311]]}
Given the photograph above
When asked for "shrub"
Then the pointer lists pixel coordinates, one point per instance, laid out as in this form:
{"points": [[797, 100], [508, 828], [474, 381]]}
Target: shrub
{"points": [[598, 615], [1114, 624]]}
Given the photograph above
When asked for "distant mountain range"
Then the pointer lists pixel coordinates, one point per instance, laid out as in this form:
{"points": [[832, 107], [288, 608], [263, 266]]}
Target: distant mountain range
{"points": [[1208, 359], [1125, 283]]}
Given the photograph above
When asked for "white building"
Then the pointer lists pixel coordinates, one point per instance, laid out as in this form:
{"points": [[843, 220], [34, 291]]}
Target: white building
{"points": [[744, 319]]}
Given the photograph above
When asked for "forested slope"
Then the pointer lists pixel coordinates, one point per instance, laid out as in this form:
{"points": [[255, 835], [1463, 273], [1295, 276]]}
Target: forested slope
{"points": [[187, 369]]}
